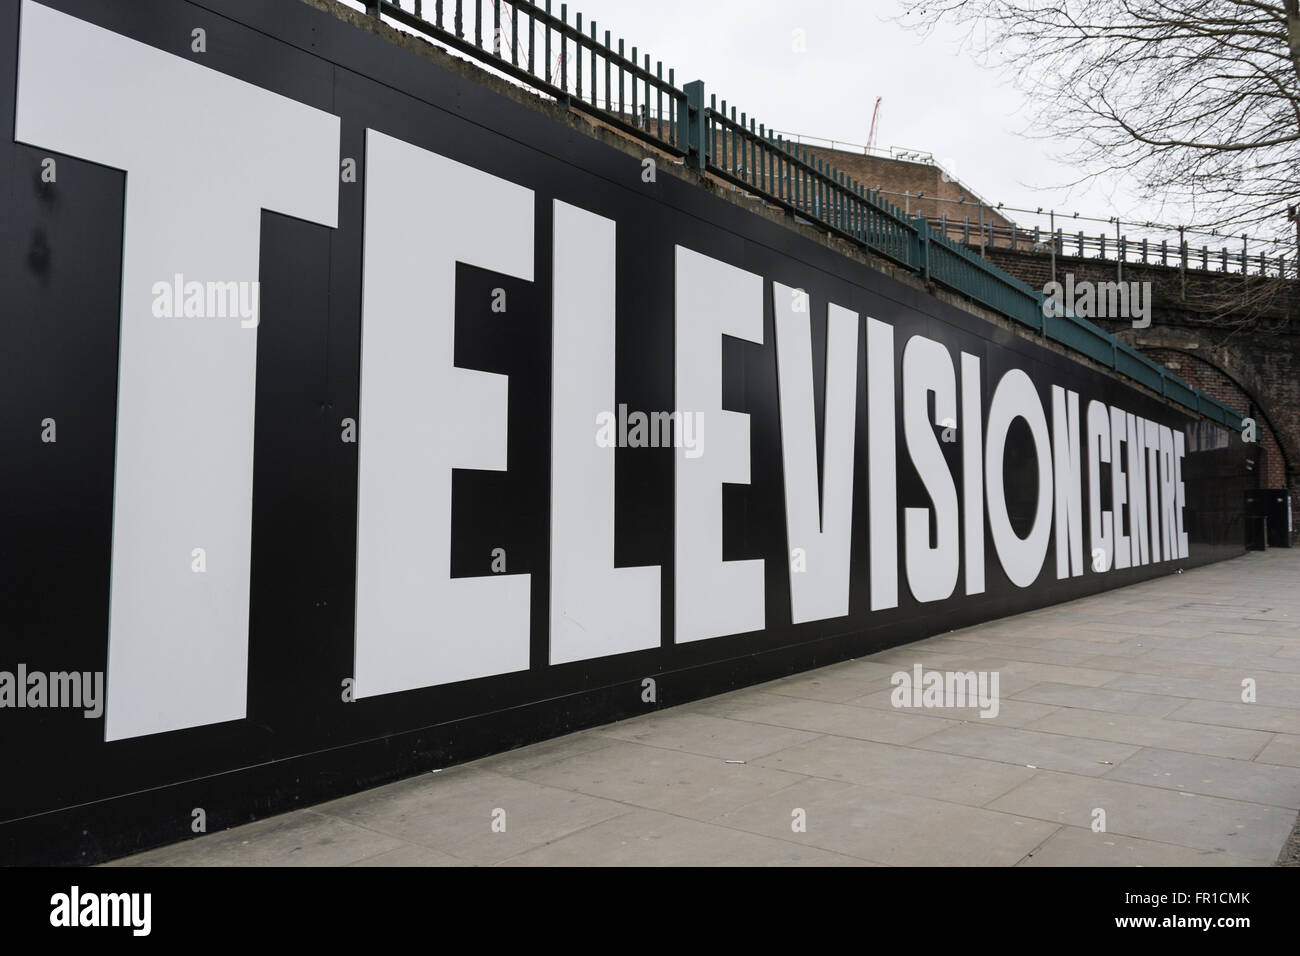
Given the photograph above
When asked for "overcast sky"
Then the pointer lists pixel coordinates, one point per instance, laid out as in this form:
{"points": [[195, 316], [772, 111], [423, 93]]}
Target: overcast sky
{"points": [[936, 97]]}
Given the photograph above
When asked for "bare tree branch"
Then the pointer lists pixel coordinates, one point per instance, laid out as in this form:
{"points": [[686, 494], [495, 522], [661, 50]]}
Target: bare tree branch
{"points": [[1197, 100]]}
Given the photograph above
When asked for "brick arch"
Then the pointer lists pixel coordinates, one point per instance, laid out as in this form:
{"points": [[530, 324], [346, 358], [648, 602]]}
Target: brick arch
{"points": [[1279, 435], [1272, 463]]}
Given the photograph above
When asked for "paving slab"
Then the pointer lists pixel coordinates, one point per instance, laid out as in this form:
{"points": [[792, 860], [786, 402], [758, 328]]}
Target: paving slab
{"points": [[893, 828], [1100, 698], [1018, 674], [1010, 713], [841, 720], [1270, 689], [1213, 776], [528, 758], [1281, 720], [827, 685], [957, 779], [686, 784], [1249, 830], [1075, 846], [1029, 748], [300, 838], [411, 855], [1038, 654], [477, 815], [707, 735], [651, 838], [1155, 732], [1144, 664], [1262, 660], [1283, 749]]}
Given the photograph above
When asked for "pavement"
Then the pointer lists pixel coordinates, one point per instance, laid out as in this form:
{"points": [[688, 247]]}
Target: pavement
{"points": [[1121, 739]]}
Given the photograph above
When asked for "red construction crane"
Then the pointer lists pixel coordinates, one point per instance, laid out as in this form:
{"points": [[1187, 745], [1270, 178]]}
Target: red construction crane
{"points": [[875, 117]]}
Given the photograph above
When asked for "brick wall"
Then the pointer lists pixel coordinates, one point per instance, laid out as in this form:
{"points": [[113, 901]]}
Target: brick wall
{"points": [[897, 176]]}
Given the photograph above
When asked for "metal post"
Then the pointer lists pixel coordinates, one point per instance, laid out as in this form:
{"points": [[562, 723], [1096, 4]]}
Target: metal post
{"points": [[1182, 263], [1119, 253], [695, 124], [923, 235], [1294, 216], [564, 52], [1052, 223], [981, 204], [1245, 269]]}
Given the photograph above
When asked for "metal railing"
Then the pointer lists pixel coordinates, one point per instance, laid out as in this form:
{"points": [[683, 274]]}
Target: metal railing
{"points": [[622, 91], [532, 45], [1119, 248]]}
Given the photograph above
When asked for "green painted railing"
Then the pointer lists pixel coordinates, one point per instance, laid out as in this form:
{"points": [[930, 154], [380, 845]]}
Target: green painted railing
{"points": [[578, 67]]}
